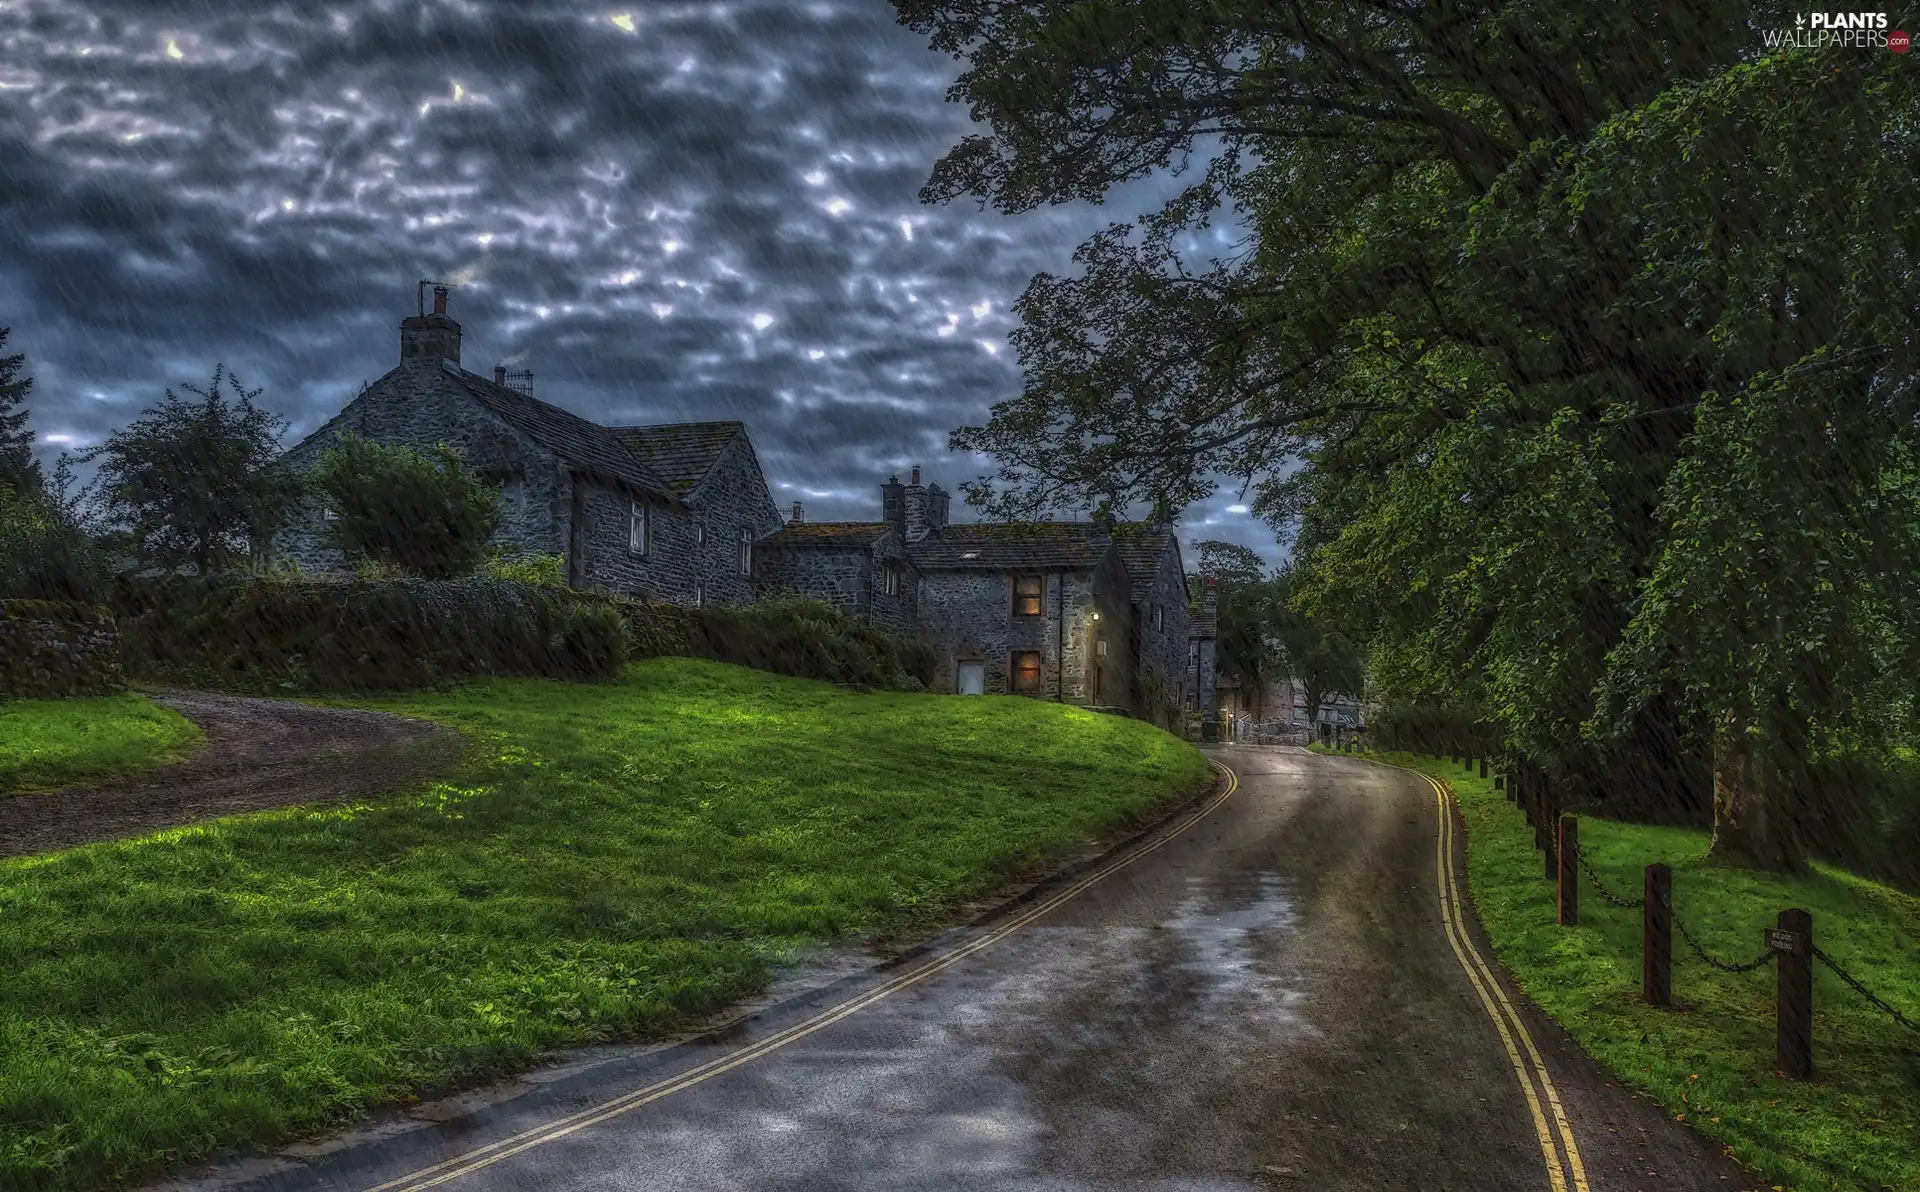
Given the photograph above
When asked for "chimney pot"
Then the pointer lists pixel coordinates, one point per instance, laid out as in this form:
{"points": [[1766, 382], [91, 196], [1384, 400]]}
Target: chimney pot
{"points": [[500, 374], [798, 514], [439, 300], [916, 474]]}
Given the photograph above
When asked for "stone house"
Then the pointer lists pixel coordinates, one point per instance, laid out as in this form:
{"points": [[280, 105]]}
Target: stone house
{"points": [[862, 567], [1070, 611], [671, 512]]}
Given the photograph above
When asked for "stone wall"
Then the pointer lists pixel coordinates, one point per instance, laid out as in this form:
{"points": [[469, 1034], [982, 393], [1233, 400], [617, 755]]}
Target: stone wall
{"points": [[967, 616], [733, 498], [417, 405], [1163, 650], [851, 577], [51, 649]]}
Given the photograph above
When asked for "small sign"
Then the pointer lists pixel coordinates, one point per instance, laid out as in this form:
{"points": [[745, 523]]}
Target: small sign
{"points": [[1781, 940]]}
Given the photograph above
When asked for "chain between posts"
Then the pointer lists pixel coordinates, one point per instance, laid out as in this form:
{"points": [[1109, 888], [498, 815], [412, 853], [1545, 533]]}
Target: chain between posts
{"points": [[1764, 959], [1625, 904], [1862, 990]]}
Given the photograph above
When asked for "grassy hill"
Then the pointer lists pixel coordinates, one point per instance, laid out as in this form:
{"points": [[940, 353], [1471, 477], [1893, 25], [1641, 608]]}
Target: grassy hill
{"points": [[614, 861]]}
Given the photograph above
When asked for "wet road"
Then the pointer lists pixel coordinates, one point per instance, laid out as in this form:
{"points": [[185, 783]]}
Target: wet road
{"points": [[1269, 999]]}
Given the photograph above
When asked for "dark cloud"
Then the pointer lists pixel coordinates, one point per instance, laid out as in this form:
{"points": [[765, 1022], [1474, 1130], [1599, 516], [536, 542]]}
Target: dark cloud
{"points": [[702, 210]]}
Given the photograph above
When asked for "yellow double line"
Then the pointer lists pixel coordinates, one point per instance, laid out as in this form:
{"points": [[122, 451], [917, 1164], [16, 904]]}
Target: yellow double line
{"points": [[473, 1160], [1565, 1172]]}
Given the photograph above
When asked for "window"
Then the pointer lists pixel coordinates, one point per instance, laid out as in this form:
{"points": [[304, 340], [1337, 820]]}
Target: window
{"points": [[700, 531], [1100, 647], [746, 551], [1157, 622], [1026, 672], [699, 595], [637, 528], [1027, 595], [893, 579]]}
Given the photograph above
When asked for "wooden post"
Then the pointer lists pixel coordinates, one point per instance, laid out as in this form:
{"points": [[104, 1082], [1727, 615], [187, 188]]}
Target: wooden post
{"points": [[1656, 950], [1794, 1012], [1568, 878], [1549, 825]]}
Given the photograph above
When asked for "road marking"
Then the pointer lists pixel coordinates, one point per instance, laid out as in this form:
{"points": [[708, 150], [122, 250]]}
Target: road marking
{"points": [[1555, 1131], [473, 1160]]}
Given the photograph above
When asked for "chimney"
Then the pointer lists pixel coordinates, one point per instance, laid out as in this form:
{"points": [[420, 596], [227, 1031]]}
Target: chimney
{"points": [[798, 516], [893, 504], [1211, 602], [937, 499], [428, 339], [500, 375], [916, 474], [914, 509]]}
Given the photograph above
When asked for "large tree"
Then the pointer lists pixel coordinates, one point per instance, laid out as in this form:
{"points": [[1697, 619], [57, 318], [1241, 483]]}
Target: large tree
{"points": [[19, 470], [1548, 303], [194, 481]]}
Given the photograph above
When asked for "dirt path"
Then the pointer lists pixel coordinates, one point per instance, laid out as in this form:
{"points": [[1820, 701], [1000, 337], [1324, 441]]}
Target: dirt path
{"points": [[259, 753]]}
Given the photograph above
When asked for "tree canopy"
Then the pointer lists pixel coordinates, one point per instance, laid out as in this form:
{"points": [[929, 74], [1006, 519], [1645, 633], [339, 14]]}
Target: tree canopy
{"points": [[19, 471], [194, 481], [1573, 345]]}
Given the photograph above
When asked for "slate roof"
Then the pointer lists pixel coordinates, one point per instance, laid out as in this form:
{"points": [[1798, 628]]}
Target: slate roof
{"points": [[826, 534], [1141, 549], [571, 437], [1204, 625], [1004, 546], [683, 452]]}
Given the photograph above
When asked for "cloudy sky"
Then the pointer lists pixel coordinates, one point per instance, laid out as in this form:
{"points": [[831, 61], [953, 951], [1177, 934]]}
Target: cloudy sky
{"points": [[666, 211]]}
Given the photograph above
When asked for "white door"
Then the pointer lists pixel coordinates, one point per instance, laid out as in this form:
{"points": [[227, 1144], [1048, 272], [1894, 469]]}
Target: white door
{"points": [[973, 678]]}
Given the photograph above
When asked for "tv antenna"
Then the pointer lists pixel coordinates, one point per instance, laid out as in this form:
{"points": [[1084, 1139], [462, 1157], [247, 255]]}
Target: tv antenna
{"points": [[422, 292]]}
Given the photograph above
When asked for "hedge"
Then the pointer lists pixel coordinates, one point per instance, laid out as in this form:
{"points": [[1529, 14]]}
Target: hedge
{"points": [[51, 649], [355, 635], [808, 639]]}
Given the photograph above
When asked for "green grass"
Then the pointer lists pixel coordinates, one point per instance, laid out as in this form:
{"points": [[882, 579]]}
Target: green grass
{"points": [[1855, 1126], [46, 744], [616, 860]]}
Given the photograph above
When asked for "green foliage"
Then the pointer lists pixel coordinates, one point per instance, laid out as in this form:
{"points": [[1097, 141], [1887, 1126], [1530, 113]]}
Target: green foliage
{"points": [[46, 744], [50, 649], [195, 483], [810, 639], [423, 513], [45, 554], [19, 471], [547, 571], [1600, 368], [1856, 1127], [333, 635], [617, 861]]}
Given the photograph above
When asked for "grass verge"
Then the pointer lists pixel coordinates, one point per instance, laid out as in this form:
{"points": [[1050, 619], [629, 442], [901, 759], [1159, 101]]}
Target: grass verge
{"points": [[616, 861], [47, 744], [1709, 1061]]}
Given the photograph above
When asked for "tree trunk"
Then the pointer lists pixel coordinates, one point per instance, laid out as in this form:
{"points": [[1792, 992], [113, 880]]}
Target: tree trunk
{"points": [[1750, 824], [1311, 697]]}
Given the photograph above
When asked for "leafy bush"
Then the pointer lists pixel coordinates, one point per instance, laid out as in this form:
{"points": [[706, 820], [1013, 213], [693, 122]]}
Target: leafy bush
{"points": [[44, 554], [807, 639], [425, 513], [811, 639], [546, 571], [52, 649], [350, 635]]}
